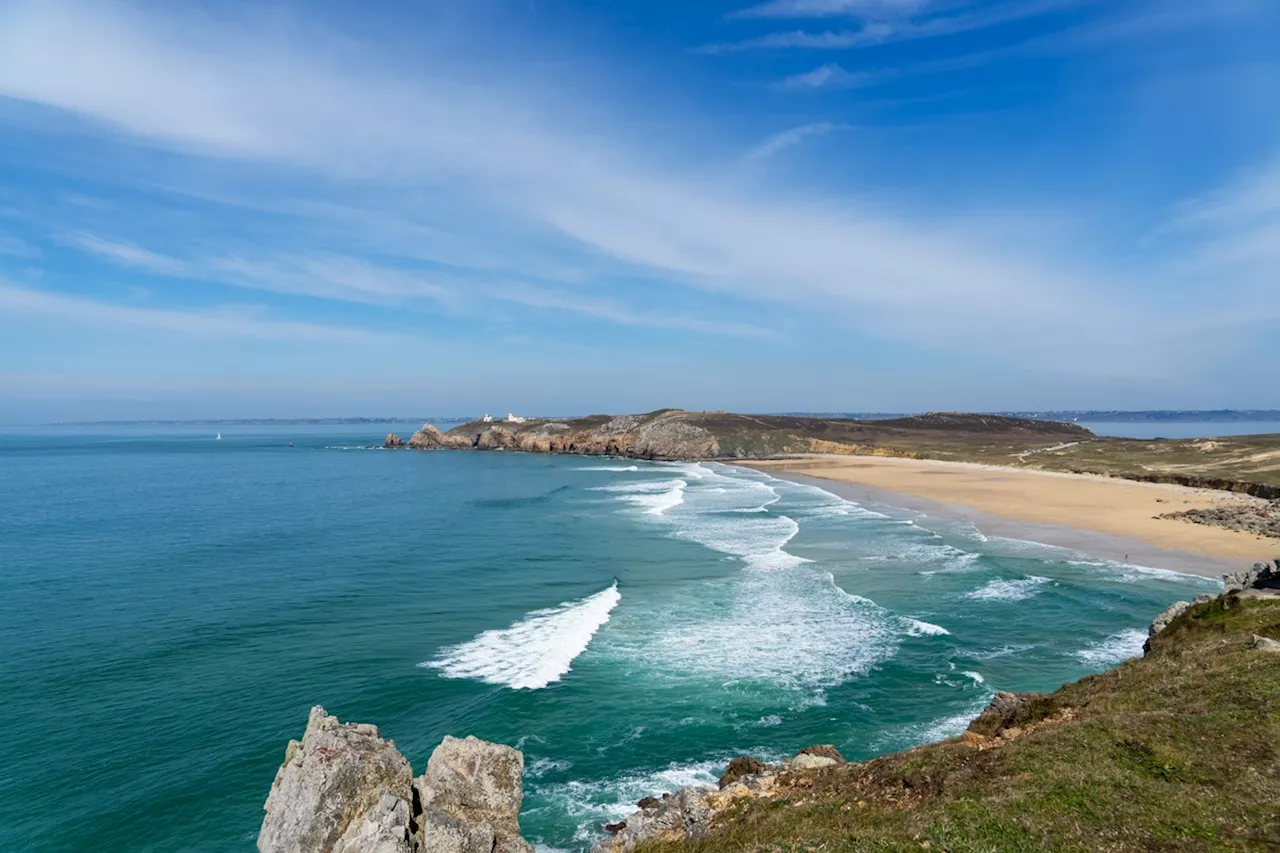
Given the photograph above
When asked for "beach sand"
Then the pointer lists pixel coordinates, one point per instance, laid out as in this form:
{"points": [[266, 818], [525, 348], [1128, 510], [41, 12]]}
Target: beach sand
{"points": [[1100, 516]]}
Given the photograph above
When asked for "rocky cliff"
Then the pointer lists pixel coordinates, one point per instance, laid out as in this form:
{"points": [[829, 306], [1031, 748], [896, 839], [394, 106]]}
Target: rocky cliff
{"points": [[673, 434], [345, 789]]}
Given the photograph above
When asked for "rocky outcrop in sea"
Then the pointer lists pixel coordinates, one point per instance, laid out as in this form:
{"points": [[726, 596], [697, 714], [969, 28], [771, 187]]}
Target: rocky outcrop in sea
{"points": [[345, 789]]}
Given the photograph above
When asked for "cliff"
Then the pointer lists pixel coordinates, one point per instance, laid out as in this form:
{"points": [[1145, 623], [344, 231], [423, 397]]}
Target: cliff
{"points": [[1177, 750], [673, 434]]}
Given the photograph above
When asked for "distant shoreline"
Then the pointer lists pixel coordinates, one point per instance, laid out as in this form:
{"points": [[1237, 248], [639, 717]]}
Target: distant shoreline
{"points": [[1102, 517]]}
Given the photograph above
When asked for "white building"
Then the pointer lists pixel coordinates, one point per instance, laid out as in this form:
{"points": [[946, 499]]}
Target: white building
{"points": [[514, 419], [488, 418]]}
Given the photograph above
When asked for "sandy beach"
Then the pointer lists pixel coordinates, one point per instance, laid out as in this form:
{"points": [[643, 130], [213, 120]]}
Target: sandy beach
{"points": [[1101, 516]]}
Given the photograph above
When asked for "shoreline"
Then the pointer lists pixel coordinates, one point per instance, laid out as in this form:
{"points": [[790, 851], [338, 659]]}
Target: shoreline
{"points": [[1101, 517]]}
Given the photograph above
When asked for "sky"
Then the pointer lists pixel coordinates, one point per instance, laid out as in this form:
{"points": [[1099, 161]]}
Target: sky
{"points": [[305, 209]]}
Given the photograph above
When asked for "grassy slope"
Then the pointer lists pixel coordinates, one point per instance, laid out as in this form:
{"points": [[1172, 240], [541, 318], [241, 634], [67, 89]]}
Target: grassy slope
{"points": [[1178, 751]]}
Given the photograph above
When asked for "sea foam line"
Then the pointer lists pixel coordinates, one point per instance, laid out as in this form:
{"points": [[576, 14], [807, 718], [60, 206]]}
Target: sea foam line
{"points": [[535, 651]]}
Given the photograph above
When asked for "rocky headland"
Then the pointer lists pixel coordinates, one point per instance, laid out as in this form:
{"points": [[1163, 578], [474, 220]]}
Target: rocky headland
{"points": [[674, 434], [1177, 750]]}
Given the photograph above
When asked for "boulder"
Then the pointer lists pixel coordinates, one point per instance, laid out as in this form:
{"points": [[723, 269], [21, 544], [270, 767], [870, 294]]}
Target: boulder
{"points": [[342, 785], [743, 765], [805, 761], [470, 798], [824, 750], [683, 815], [393, 440], [1004, 712], [1264, 644], [1261, 576]]}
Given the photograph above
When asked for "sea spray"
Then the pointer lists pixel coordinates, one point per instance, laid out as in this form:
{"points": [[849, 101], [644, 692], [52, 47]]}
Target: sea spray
{"points": [[535, 651]]}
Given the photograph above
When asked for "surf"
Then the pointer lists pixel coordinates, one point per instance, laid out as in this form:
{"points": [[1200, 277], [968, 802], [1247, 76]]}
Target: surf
{"points": [[535, 651]]}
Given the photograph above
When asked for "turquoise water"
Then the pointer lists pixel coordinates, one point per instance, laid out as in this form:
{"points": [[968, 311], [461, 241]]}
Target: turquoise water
{"points": [[171, 606]]}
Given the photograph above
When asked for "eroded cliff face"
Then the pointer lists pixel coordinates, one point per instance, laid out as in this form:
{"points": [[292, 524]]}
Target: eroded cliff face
{"points": [[345, 789]]}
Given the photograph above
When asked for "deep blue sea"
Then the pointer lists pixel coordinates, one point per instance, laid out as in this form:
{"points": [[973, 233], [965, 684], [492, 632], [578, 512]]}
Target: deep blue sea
{"points": [[171, 605]]}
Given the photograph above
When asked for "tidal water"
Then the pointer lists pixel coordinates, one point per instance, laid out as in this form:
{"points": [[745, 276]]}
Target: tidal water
{"points": [[171, 605]]}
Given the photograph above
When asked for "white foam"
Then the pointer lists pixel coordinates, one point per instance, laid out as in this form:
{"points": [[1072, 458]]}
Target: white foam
{"points": [[1120, 646], [976, 676], [608, 468], [920, 628], [594, 803], [535, 651], [1008, 590]]}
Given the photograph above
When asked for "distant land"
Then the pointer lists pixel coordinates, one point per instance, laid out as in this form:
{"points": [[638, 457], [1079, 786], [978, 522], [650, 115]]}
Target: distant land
{"points": [[1099, 416], [1067, 415]]}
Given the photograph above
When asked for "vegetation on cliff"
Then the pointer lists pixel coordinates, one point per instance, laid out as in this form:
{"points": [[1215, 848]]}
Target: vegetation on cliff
{"points": [[1176, 751]]}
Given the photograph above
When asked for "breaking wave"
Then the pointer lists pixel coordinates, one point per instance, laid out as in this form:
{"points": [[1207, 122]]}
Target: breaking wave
{"points": [[534, 652], [1008, 590]]}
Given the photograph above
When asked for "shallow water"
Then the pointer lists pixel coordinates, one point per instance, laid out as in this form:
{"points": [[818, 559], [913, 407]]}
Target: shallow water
{"points": [[171, 606]]}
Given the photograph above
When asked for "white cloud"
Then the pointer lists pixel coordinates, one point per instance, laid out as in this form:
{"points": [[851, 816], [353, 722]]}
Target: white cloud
{"points": [[129, 255], [829, 76], [239, 96], [219, 323], [832, 8], [791, 137]]}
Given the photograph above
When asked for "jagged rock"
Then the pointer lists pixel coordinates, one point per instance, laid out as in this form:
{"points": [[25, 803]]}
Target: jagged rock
{"points": [[685, 814], [1166, 617], [470, 798], [333, 787], [1261, 576], [1002, 713], [382, 829], [649, 803], [431, 438], [743, 765], [393, 440], [1264, 644], [824, 750]]}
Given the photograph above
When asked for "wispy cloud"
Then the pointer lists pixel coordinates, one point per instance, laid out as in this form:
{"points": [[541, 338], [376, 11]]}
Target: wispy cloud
{"points": [[16, 248], [832, 8], [882, 24], [615, 312], [829, 76], [218, 92], [129, 255], [220, 322], [791, 137]]}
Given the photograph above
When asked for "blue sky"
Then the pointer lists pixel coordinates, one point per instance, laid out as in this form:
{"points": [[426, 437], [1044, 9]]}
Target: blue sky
{"points": [[323, 208]]}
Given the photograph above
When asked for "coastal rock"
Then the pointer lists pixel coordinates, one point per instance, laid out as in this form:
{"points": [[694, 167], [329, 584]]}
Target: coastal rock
{"points": [[393, 440], [808, 762], [382, 829], [1255, 518], [824, 750], [1005, 711], [686, 814], [1166, 617], [470, 798], [743, 765], [334, 787], [1264, 644], [1261, 576], [431, 438]]}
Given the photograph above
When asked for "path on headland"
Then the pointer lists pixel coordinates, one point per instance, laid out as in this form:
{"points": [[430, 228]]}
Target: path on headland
{"points": [[1083, 502]]}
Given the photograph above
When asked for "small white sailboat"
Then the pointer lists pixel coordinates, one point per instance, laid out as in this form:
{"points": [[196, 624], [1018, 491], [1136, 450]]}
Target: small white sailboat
{"points": [[218, 437]]}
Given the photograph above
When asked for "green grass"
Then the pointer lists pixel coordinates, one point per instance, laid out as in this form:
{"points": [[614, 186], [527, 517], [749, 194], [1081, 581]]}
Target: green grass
{"points": [[1178, 751]]}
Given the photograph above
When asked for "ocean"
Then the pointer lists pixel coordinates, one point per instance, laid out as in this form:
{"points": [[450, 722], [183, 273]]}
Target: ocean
{"points": [[171, 606]]}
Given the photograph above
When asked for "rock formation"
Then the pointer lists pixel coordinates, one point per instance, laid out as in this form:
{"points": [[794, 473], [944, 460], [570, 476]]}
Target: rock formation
{"points": [[344, 789], [339, 783], [393, 440], [1263, 576]]}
